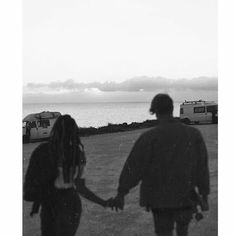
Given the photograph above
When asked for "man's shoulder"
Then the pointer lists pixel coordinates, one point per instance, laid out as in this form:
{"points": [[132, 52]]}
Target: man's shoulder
{"points": [[147, 135], [191, 129], [157, 131]]}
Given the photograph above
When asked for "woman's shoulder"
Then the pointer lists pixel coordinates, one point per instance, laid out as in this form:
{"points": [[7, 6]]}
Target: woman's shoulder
{"points": [[42, 147], [40, 151], [37, 158], [80, 183]]}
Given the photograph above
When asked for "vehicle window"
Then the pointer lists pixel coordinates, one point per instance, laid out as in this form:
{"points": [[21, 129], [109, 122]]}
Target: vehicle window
{"points": [[212, 108], [33, 124], [44, 123], [181, 110], [199, 109]]}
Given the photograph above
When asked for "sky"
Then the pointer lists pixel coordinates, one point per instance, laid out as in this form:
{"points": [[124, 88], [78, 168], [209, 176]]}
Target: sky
{"points": [[90, 42]]}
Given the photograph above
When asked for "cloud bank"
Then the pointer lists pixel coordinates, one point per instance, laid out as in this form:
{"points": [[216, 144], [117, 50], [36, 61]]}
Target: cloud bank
{"points": [[143, 83], [138, 89]]}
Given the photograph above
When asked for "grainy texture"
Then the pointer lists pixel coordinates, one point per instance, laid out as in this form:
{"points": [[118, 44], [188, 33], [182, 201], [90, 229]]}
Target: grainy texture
{"points": [[106, 155]]}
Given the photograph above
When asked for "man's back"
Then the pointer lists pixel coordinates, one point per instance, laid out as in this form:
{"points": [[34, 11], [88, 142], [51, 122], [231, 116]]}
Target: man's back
{"points": [[170, 160]]}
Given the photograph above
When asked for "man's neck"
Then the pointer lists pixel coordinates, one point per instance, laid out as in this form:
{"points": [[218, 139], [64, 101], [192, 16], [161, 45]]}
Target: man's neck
{"points": [[165, 116]]}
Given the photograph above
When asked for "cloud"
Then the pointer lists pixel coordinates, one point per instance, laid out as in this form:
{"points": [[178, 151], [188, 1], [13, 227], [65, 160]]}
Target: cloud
{"points": [[142, 83]]}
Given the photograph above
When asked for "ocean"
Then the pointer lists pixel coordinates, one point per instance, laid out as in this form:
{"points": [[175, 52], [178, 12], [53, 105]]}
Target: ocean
{"points": [[99, 114]]}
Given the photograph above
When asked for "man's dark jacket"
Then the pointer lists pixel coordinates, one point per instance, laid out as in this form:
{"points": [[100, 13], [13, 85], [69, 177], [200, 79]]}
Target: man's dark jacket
{"points": [[170, 160]]}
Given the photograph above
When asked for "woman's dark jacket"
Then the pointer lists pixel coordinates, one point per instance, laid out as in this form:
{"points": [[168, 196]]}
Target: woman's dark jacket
{"points": [[40, 176]]}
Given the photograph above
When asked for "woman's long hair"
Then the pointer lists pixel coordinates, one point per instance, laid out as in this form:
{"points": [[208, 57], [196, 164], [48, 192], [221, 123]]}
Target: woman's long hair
{"points": [[66, 149]]}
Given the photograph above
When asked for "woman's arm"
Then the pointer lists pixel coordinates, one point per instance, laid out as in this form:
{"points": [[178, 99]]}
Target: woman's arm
{"points": [[88, 194]]}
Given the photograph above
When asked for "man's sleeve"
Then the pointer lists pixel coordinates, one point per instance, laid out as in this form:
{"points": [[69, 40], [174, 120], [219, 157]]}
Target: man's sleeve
{"points": [[203, 179], [135, 165]]}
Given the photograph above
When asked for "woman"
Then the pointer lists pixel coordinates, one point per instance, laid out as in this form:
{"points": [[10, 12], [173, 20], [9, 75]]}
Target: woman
{"points": [[53, 180]]}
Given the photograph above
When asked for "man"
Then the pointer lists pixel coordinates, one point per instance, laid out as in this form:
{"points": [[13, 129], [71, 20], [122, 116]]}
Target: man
{"points": [[171, 163]]}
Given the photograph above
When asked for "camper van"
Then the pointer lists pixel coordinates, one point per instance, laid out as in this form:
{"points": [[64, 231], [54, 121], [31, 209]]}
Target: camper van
{"points": [[195, 112], [38, 125]]}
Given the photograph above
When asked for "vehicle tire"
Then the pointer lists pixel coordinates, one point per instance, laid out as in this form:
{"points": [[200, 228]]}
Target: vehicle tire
{"points": [[26, 139], [186, 121], [215, 121], [214, 118]]}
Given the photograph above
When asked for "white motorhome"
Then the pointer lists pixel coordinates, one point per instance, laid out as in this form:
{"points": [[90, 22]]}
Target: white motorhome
{"points": [[38, 125], [199, 112]]}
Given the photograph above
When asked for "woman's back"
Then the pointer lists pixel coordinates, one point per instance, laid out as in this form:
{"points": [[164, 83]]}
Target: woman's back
{"points": [[53, 180]]}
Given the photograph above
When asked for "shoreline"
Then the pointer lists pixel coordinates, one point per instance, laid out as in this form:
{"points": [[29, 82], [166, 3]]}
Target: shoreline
{"points": [[111, 128], [114, 128]]}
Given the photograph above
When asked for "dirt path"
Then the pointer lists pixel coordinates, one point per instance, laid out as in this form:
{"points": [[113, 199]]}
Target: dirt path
{"points": [[106, 155]]}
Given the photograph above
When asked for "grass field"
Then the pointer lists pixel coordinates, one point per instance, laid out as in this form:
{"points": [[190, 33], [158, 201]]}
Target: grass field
{"points": [[106, 155]]}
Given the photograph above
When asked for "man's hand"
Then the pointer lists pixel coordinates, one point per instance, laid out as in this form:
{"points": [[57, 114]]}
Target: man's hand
{"points": [[117, 202], [204, 203]]}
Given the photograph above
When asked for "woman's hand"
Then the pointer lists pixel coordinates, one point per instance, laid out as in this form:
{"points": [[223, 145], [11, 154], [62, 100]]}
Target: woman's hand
{"points": [[108, 203], [116, 203]]}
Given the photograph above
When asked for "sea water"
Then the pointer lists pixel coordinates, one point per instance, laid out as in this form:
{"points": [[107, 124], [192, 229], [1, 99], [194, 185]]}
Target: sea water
{"points": [[99, 114]]}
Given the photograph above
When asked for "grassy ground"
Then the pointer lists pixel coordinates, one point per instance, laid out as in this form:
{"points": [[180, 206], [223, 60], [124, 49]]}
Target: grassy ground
{"points": [[106, 155]]}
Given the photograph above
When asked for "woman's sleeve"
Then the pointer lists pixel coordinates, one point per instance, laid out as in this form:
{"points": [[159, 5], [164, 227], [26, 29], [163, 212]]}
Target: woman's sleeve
{"points": [[87, 193], [32, 190]]}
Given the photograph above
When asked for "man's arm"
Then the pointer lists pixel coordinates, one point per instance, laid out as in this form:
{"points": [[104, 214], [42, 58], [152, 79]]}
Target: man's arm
{"points": [[135, 165], [133, 171], [203, 179]]}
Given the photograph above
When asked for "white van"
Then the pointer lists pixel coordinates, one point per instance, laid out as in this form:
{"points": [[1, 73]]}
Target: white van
{"points": [[199, 112], [38, 125]]}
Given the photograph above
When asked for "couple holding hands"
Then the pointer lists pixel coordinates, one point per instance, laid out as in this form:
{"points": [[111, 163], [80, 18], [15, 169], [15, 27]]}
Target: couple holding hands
{"points": [[169, 160]]}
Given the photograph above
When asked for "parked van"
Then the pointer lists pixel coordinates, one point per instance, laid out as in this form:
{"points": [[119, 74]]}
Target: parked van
{"points": [[199, 112], [38, 125]]}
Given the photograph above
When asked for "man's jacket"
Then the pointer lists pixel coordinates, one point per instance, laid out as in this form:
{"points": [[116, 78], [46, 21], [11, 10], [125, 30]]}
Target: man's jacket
{"points": [[170, 160]]}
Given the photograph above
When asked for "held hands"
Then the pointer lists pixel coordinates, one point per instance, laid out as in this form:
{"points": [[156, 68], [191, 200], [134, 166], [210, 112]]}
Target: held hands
{"points": [[116, 203]]}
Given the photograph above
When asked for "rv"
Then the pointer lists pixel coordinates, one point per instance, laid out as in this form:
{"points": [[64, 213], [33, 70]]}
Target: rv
{"points": [[38, 125], [195, 112]]}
